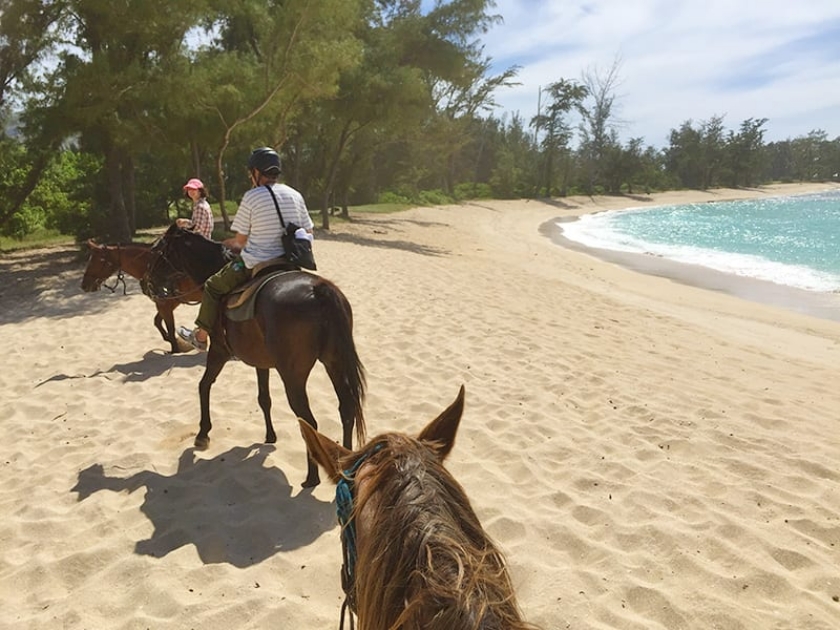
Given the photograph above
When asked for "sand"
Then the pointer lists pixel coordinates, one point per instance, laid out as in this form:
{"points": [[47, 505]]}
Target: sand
{"points": [[647, 453]]}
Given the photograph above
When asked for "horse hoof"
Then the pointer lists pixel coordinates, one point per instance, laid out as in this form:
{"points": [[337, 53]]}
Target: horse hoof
{"points": [[201, 443], [311, 483]]}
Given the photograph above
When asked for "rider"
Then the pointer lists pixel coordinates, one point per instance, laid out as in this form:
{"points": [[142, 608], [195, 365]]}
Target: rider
{"points": [[202, 216], [257, 237]]}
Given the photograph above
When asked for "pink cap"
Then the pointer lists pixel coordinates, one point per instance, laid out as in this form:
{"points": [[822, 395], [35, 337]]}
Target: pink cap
{"points": [[194, 183]]}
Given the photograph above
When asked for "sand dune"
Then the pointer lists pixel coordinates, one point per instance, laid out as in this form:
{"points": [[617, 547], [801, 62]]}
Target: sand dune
{"points": [[647, 453]]}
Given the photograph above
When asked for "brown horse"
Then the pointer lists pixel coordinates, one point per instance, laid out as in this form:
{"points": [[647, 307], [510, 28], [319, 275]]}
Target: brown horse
{"points": [[300, 318], [136, 259], [415, 554]]}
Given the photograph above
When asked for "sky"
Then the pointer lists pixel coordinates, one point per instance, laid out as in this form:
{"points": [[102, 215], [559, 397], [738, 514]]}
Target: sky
{"points": [[679, 60]]}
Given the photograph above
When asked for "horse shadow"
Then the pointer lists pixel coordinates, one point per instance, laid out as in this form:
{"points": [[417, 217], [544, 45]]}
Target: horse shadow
{"points": [[154, 363], [232, 508]]}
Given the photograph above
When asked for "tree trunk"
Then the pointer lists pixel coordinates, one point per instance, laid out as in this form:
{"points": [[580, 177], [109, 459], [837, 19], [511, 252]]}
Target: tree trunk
{"points": [[220, 175], [196, 159], [119, 228], [129, 188], [328, 187]]}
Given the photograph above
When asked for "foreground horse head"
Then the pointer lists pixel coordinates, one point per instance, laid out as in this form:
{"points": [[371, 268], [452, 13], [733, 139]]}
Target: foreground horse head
{"points": [[416, 555]]}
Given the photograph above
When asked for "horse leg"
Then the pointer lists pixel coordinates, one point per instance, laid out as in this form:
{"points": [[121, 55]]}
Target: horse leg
{"points": [[264, 399], [166, 313], [346, 407], [299, 402], [216, 360], [159, 325]]}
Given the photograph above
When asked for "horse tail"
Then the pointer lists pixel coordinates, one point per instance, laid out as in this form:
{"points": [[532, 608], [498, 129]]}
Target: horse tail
{"points": [[347, 371]]}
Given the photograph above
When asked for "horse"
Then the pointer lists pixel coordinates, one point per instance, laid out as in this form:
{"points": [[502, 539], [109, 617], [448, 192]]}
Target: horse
{"points": [[136, 259], [299, 318], [415, 554]]}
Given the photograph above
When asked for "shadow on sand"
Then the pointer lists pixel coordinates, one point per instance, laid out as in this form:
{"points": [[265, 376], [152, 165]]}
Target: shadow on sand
{"points": [[233, 508], [154, 363]]}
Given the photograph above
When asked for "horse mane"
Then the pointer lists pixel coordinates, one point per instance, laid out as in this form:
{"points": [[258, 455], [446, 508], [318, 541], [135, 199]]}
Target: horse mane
{"points": [[428, 563], [191, 252]]}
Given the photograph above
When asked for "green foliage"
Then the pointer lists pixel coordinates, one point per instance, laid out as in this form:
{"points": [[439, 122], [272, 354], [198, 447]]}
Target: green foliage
{"points": [[66, 192], [39, 238], [60, 202], [473, 190], [13, 167], [420, 198], [433, 198], [388, 197]]}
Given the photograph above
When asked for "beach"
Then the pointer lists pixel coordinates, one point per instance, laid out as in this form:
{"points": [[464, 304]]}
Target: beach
{"points": [[648, 452]]}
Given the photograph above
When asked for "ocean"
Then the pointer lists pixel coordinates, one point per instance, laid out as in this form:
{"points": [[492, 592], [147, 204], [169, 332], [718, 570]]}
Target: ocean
{"points": [[791, 241]]}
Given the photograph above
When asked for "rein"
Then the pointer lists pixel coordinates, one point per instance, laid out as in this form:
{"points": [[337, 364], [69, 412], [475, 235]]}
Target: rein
{"points": [[120, 275], [168, 293], [120, 279], [344, 507]]}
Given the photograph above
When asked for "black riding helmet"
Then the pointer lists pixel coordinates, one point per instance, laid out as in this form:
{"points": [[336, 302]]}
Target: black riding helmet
{"points": [[265, 160]]}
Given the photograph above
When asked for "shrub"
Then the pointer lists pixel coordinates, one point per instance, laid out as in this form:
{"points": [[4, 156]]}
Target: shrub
{"points": [[473, 190], [392, 197], [433, 198]]}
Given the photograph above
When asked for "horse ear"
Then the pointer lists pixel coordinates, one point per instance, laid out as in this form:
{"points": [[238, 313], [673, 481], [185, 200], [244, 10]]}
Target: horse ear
{"points": [[323, 450], [91, 244], [440, 432]]}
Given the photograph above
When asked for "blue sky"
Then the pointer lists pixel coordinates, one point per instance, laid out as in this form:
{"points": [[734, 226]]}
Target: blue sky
{"points": [[680, 60]]}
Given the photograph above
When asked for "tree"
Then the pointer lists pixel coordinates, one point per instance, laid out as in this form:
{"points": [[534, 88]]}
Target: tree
{"points": [[114, 71], [599, 122], [811, 157], [25, 35], [684, 159], [267, 64], [712, 150], [563, 97], [745, 153]]}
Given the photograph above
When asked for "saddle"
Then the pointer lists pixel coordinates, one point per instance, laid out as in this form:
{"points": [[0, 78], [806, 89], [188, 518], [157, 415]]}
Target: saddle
{"points": [[239, 304]]}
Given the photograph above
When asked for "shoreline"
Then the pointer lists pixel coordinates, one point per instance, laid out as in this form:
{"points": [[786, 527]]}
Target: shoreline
{"points": [[817, 304]]}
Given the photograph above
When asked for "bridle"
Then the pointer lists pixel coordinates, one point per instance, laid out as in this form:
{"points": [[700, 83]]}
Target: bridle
{"points": [[344, 502], [120, 279], [161, 254]]}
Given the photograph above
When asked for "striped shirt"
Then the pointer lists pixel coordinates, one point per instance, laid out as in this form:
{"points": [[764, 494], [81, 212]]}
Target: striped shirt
{"points": [[257, 219], [202, 218]]}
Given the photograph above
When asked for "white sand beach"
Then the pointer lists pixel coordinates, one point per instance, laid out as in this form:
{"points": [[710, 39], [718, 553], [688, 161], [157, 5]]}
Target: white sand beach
{"points": [[649, 454]]}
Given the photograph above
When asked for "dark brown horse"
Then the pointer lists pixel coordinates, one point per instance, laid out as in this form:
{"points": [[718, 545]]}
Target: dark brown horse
{"points": [[415, 554], [300, 318], [136, 259]]}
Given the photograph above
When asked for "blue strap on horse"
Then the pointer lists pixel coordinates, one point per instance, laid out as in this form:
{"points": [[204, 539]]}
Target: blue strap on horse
{"points": [[344, 508]]}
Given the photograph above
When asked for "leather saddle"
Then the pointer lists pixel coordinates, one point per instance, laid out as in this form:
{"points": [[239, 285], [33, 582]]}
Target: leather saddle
{"points": [[239, 304]]}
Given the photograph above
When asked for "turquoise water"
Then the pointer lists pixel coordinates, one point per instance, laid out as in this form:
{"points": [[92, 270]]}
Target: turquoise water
{"points": [[793, 241]]}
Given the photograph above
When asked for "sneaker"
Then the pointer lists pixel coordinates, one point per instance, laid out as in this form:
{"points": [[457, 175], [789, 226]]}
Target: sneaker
{"points": [[189, 336]]}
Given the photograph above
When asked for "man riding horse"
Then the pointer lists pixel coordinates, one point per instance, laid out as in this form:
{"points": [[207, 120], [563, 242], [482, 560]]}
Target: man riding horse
{"points": [[258, 230]]}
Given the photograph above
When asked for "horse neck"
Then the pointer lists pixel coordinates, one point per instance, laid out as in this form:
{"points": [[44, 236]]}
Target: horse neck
{"points": [[202, 263], [132, 258]]}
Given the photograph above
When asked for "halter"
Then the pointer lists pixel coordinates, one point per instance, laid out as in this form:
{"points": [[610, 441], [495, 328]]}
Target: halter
{"points": [[151, 289], [344, 507], [120, 275]]}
